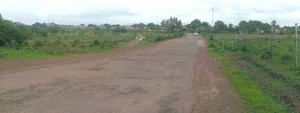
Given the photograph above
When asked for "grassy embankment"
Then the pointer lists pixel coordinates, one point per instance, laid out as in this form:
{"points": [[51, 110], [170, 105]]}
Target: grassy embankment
{"points": [[265, 77]]}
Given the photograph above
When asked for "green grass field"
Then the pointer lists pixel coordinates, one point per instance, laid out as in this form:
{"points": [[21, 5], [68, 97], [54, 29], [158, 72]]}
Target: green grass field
{"points": [[59, 45], [268, 72]]}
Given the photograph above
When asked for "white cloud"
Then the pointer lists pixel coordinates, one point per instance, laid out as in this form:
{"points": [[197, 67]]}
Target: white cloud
{"points": [[134, 11]]}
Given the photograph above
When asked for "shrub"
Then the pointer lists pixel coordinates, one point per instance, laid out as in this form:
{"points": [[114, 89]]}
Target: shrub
{"points": [[211, 37], [13, 44], [96, 42], [120, 30], [286, 59], [10, 34], [267, 54], [244, 48], [291, 49], [38, 44], [57, 43], [75, 43], [211, 45]]}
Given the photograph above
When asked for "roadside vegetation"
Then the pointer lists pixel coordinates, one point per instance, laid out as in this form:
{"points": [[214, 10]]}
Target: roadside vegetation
{"points": [[263, 67], [42, 40], [258, 57], [259, 60]]}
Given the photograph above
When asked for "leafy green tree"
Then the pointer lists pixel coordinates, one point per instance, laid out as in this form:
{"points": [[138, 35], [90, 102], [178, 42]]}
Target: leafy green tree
{"points": [[139, 26], [273, 23], [92, 25], [205, 24], [120, 29], [172, 25], [151, 26], [107, 26], [242, 25], [188, 26], [10, 34], [230, 26], [220, 26], [54, 28], [196, 24], [252, 25], [40, 28]]}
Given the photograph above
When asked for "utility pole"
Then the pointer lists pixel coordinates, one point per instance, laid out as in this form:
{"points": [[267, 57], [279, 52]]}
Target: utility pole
{"points": [[296, 44], [212, 17]]}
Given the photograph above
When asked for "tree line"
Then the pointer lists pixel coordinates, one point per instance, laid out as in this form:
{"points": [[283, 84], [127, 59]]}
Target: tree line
{"points": [[251, 27], [15, 33]]}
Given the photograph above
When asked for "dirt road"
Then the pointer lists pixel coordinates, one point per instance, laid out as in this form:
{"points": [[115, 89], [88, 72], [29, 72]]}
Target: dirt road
{"points": [[159, 79]]}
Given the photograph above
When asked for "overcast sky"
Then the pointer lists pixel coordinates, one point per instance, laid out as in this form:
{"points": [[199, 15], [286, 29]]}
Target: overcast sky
{"points": [[286, 12]]}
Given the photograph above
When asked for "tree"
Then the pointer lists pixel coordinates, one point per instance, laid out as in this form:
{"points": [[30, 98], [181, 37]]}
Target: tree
{"points": [[230, 26], [139, 26], [196, 24], [120, 29], [172, 25], [40, 28], [188, 26], [242, 25], [92, 25], [10, 34], [97, 28], [163, 23], [205, 24], [107, 26], [1, 17], [252, 25], [151, 26], [273, 23], [54, 28], [220, 26], [266, 28]]}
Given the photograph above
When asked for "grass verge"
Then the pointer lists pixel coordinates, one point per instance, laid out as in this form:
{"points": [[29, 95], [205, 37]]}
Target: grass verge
{"points": [[253, 98], [6, 53]]}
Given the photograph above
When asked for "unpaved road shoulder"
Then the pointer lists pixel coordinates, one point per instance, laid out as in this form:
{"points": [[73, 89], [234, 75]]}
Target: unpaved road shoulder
{"points": [[213, 93]]}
